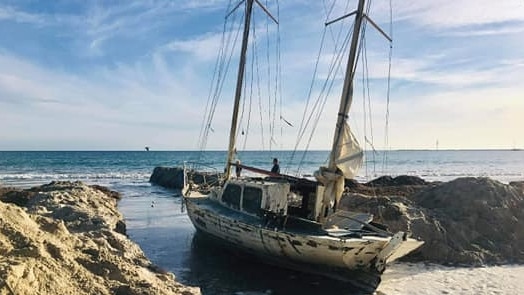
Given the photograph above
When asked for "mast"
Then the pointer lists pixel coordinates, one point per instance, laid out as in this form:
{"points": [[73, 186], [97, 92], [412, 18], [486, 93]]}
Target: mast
{"points": [[238, 92], [240, 79], [347, 92]]}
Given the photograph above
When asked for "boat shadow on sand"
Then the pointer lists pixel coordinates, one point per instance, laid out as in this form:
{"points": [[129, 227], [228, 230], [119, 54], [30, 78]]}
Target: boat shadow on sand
{"points": [[220, 270]]}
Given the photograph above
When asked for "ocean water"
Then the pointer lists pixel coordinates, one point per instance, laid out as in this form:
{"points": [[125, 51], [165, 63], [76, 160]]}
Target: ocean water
{"points": [[156, 219], [26, 168]]}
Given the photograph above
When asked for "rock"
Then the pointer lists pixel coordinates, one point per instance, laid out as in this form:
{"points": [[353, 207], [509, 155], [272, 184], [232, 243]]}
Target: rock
{"points": [[16, 197], [390, 211], [168, 177], [108, 192], [65, 238], [471, 221], [381, 181], [352, 183], [399, 180], [481, 221], [173, 177], [402, 185], [519, 185]]}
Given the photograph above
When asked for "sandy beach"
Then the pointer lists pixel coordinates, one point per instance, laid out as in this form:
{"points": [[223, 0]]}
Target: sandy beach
{"points": [[431, 279], [69, 238]]}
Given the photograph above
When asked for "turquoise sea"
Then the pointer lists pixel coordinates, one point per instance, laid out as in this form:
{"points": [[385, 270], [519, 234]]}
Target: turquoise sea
{"points": [[25, 168], [156, 219]]}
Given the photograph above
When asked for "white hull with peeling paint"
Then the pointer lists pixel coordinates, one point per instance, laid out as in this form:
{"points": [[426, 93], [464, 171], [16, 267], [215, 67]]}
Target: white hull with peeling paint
{"points": [[295, 242]]}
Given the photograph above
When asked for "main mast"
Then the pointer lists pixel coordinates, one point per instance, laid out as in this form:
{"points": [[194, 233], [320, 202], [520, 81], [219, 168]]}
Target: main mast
{"points": [[333, 177], [240, 80], [238, 92], [347, 92]]}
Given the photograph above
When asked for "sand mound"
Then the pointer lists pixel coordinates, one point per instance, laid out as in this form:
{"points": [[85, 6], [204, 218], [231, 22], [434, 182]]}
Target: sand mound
{"points": [[470, 221], [66, 238]]}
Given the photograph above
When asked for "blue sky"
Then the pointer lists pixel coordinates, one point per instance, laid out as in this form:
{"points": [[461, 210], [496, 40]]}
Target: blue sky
{"points": [[120, 75]]}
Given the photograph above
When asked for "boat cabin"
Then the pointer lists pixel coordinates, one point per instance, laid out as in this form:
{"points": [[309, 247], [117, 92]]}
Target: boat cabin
{"points": [[272, 196], [256, 198]]}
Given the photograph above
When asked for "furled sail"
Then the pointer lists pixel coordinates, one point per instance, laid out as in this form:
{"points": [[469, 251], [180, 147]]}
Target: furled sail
{"points": [[348, 161], [350, 156], [333, 188]]}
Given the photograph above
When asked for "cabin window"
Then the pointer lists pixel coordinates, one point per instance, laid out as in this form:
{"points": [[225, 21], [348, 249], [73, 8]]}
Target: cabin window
{"points": [[231, 196], [251, 200]]}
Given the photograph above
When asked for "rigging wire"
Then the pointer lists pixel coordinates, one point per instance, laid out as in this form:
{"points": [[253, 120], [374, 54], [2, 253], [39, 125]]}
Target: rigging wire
{"points": [[326, 89], [271, 115], [364, 112], [215, 71], [278, 78], [322, 97], [240, 129], [251, 78], [231, 32], [303, 125], [386, 131], [341, 28], [259, 95], [367, 95], [330, 10], [250, 103], [313, 115], [253, 84], [226, 47], [301, 128]]}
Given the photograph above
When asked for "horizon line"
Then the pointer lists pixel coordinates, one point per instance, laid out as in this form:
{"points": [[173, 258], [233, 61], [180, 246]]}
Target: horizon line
{"points": [[253, 150]]}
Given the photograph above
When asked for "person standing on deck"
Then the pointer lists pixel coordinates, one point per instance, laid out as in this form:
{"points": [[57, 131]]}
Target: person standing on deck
{"points": [[276, 167], [238, 169]]}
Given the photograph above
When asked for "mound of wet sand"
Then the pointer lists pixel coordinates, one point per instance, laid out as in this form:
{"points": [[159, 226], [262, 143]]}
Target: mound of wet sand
{"points": [[69, 238], [472, 221]]}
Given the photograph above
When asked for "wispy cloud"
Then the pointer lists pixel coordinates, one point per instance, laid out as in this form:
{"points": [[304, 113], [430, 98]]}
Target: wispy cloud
{"points": [[204, 48], [122, 74], [8, 13], [121, 96], [429, 71], [444, 14], [510, 28]]}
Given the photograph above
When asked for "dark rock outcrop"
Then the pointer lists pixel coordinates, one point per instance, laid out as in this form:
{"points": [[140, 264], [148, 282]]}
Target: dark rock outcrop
{"points": [[173, 177], [16, 196], [482, 221], [519, 185], [402, 185], [397, 181], [170, 177], [470, 221]]}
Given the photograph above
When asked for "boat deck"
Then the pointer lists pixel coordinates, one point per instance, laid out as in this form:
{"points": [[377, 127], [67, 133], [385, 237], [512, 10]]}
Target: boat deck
{"points": [[289, 223]]}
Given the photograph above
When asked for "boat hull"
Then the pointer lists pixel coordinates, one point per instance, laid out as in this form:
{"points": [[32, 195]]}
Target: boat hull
{"points": [[342, 258], [363, 281]]}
